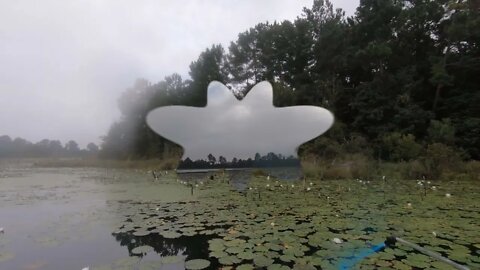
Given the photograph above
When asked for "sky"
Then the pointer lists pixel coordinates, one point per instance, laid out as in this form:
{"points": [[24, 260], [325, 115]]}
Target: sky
{"points": [[231, 128], [64, 64]]}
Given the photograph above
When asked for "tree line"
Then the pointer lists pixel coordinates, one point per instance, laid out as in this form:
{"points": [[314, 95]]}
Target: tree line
{"points": [[400, 76], [258, 161], [21, 148]]}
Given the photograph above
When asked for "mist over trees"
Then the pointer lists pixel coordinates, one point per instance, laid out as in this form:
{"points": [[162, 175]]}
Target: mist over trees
{"points": [[21, 148], [401, 78]]}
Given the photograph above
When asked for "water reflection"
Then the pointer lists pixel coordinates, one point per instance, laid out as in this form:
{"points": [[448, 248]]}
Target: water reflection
{"points": [[191, 247], [239, 178]]}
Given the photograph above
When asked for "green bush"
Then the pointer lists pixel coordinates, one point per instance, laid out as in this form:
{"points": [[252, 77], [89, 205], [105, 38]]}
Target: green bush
{"points": [[169, 164], [338, 172], [440, 158], [472, 168], [357, 144], [400, 147], [325, 148], [441, 132], [311, 170], [416, 169]]}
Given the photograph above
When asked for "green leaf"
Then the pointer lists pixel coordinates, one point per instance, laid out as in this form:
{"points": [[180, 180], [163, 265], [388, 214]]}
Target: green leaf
{"points": [[197, 264]]}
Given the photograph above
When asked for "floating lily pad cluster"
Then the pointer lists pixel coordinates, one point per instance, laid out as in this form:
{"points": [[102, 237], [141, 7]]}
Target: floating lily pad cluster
{"points": [[283, 225]]}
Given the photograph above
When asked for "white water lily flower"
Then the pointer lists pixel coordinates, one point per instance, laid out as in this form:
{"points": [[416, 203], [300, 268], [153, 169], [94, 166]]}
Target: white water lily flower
{"points": [[383, 177], [156, 209], [409, 204], [311, 184], [281, 185], [337, 240], [250, 188], [293, 186], [434, 187], [272, 224], [434, 234], [268, 177], [268, 185], [308, 189], [448, 195], [428, 182], [201, 182], [196, 185]]}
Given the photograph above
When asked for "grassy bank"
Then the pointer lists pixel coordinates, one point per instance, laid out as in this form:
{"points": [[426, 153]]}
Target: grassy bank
{"points": [[347, 167], [364, 168]]}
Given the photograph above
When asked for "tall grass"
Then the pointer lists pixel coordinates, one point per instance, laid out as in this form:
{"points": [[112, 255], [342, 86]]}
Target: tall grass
{"points": [[357, 166]]}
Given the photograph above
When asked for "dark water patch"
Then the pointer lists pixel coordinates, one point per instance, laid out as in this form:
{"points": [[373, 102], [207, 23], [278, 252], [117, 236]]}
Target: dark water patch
{"points": [[193, 247], [369, 230]]}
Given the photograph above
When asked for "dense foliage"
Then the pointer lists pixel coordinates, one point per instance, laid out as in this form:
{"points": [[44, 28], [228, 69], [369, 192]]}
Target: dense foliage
{"points": [[401, 78]]}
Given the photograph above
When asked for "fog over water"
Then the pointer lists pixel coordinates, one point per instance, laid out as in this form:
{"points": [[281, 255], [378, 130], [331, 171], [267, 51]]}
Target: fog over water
{"points": [[63, 64]]}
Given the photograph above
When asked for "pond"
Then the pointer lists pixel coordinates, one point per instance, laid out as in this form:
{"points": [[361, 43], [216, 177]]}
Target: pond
{"points": [[124, 219]]}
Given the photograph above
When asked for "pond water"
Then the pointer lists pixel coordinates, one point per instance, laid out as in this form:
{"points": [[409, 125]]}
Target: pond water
{"points": [[123, 219]]}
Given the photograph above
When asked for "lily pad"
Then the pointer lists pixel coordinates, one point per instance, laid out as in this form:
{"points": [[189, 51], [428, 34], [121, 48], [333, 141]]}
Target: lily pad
{"points": [[197, 264], [278, 267], [141, 233], [142, 250], [171, 235], [171, 259], [262, 261], [245, 267], [229, 260], [246, 255]]}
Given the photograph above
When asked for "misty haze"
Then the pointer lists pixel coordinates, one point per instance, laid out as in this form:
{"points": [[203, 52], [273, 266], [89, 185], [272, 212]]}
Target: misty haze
{"points": [[302, 134]]}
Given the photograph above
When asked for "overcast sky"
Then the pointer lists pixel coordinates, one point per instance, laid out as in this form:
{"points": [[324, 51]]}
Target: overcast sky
{"points": [[63, 64]]}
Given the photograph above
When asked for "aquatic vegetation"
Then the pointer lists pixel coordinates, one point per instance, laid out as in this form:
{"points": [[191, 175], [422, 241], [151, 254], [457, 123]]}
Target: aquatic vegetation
{"points": [[142, 250], [162, 225], [197, 264], [267, 226]]}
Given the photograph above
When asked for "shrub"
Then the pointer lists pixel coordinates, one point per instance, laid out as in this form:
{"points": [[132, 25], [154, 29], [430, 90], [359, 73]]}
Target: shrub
{"points": [[311, 170], [362, 166], [322, 147], [441, 132], [169, 164], [358, 144], [338, 172], [441, 158], [472, 168], [416, 169], [400, 147]]}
